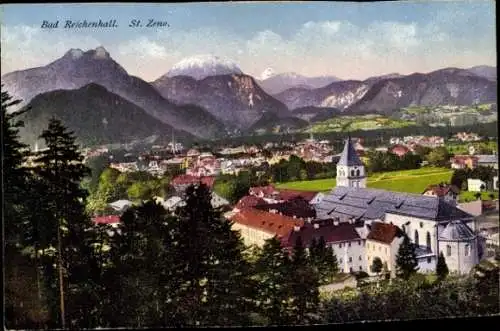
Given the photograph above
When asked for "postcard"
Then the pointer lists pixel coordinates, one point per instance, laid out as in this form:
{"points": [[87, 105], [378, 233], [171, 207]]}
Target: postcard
{"points": [[248, 163]]}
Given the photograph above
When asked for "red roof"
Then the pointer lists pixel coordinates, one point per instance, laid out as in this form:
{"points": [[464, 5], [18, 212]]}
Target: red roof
{"points": [[399, 150], [110, 219], [298, 207], [268, 222], [250, 201], [188, 180], [442, 190], [463, 158], [292, 194], [330, 232], [383, 232], [266, 190]]}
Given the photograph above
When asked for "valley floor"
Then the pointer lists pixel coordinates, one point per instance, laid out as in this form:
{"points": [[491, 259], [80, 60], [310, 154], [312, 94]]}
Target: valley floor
{"points": [[410, 181]]}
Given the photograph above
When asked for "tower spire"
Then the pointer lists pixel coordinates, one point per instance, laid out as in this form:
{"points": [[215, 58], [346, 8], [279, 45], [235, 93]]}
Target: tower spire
{"points": [[173, 143]]}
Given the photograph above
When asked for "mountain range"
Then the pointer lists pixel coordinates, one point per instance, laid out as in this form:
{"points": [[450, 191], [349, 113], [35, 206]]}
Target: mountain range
{"points": [[386, 93], [77, 69], [206, 97], [277, 83], [234, 99], [95, 115]]}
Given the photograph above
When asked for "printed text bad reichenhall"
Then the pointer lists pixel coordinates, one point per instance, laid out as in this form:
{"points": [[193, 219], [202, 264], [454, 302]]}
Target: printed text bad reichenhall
{"points": [[112, 23]]}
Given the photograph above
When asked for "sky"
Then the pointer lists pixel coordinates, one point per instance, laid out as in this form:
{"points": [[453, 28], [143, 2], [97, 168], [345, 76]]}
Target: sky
{"points": [[350, 40]]}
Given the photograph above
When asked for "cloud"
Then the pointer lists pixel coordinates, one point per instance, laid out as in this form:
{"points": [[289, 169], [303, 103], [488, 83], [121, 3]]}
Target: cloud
{"points": [[25, 47], [339, 47]]}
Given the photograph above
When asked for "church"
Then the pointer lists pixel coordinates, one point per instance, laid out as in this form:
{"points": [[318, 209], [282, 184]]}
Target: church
{"points": [[433, 224]]}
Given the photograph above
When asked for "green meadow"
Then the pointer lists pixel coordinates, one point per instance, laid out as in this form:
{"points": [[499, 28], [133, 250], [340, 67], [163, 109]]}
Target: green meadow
{"points": [[410, 181]]}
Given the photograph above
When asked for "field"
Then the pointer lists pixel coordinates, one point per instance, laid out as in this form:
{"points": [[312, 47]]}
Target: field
{"points": [[471, 196], [463, 147], [353, 123], [410, 181]]}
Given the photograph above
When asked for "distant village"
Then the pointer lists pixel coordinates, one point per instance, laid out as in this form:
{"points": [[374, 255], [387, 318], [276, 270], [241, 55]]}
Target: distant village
{"points": [[347, 217]]}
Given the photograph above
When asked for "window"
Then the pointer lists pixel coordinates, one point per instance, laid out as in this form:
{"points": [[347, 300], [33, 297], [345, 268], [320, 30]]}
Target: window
{"points": [[359, 242], [416, 238], [349, 244], [428, 240], [357, 173], [340, 245], [352, 173], [350, 269], [421, 224], [448, 250], [360, 258], [360, 268], [467, 250], [350, 259], [429, 259], [386, 250]]}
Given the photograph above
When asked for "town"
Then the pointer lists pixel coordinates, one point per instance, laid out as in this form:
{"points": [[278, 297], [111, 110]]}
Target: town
{"points": [[245, 165], [357, 235]]}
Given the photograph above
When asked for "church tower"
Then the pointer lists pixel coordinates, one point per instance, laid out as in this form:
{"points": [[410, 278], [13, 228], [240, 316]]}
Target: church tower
{"points": [[350, 169]]}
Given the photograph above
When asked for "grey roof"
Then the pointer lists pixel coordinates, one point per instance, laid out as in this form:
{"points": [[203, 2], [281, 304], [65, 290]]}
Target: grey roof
{"points": [[457, 231], [369, 204], [120, 204], [487, 158], [349, 156]]}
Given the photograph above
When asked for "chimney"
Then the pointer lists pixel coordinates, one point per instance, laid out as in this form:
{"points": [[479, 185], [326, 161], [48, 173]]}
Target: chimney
{"points": [[316, 225], [296, 228]]}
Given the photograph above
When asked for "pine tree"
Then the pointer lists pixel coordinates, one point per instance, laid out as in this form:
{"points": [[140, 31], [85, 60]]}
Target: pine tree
{"points": [[274, 292], [406, 259], [18, 225], [441, 267], [304, 285], [377, 265], [140, 281], [60, 171], [14, 174], [326, 261], [230, 290], [210, 261]]}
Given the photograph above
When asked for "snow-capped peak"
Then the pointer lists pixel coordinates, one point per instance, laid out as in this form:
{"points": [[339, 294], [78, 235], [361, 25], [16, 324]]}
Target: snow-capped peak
{"points": [[76, 53], [101, 53], [202, 66], [268, 73]]}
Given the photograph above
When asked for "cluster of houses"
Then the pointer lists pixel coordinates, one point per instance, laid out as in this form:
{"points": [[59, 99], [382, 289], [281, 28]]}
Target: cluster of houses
{"points": [[413, 141], [360, 224], [312, 150], [467, 136]]}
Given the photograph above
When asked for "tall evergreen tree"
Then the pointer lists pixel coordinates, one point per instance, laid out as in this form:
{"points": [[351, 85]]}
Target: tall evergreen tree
{"points": [[231, 291], [274, 292], [323, 260], [215, 287], [140, 279], [406, 259], [441, 267], [14, 174], [304, 285], [60, 169], [24, 308]]}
